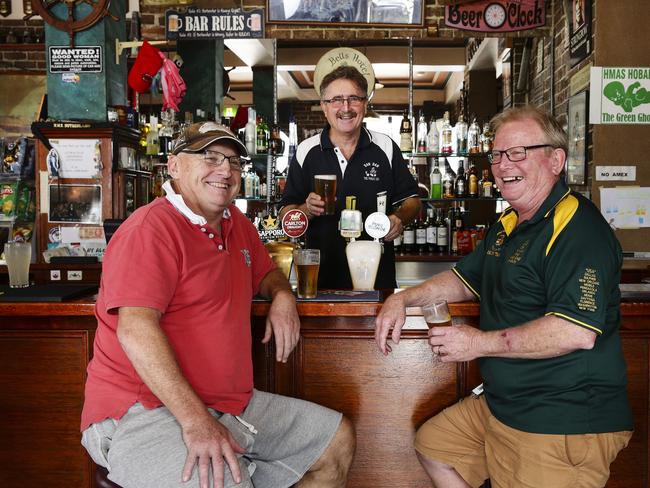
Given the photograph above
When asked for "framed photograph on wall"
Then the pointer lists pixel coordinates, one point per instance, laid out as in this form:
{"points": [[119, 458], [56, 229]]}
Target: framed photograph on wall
{"points": [[81, 204], [358, 12], [577, 118]]}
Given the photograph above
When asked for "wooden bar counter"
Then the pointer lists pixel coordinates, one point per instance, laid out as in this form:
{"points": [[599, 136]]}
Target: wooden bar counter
{"points": [[44, 350]]}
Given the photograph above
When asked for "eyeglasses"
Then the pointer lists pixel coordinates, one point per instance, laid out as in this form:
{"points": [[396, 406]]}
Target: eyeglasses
{"points": [[353, 101], [517, 153], [216, 159]]}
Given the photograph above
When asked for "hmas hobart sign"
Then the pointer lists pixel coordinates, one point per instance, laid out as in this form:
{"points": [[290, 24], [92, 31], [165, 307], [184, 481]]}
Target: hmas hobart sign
{"points": [[497, 15]]}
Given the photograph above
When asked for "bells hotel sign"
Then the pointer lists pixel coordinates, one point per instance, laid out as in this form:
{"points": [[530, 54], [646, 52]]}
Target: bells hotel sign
{"points": [[496, 15]]}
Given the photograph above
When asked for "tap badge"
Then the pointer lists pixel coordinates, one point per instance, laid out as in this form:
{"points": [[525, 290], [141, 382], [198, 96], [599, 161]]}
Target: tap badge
{"points": [[294, 223]]}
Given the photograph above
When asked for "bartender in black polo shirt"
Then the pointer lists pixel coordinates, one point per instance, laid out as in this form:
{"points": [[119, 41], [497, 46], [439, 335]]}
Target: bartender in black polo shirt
{"points": [[365, 163]]}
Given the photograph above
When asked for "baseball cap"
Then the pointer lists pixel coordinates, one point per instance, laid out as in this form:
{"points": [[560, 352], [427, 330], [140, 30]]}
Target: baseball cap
{"points": [[200, 135]]}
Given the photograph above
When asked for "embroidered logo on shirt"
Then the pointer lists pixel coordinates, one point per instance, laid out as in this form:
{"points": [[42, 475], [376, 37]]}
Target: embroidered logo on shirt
{"points": [[247, 257], [371, 171], [495, 249], [519, 253]]}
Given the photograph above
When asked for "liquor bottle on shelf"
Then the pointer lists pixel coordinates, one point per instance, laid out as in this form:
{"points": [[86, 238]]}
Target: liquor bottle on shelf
{"points": [[408, 242], [460, 183], [472, 180], [456, 227], [432, 245], [293, 137], [436, 181], [461, 135], [422, 134], [250, 132], [486, 185], [433, 137], [446, 144], [473, 134], [487, 137], [442, 233], [397, 244], [262, 139], [153, 139], [406, 133], [448, 182], [421, 236], [166, 134], [144, 130]]}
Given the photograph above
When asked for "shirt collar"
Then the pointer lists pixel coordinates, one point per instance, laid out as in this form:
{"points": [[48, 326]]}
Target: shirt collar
{"points": [[176, 199], [559, 192], [326, 143]]}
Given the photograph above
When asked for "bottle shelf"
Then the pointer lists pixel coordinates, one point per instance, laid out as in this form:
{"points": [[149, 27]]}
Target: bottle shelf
{"points": [[441, 155], [462, 199], [434, 257]]}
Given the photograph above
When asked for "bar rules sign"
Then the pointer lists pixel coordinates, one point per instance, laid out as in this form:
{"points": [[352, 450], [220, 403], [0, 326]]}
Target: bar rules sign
{"points": [[214, 23]]}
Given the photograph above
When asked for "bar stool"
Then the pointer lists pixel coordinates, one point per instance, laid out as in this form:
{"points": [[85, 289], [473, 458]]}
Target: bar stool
{"points": [[101, 478]]}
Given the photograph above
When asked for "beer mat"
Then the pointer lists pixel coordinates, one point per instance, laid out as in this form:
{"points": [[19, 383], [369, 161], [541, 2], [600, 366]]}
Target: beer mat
{"points": [[45, 293], [638, 291], [336, 296], [344, 296]]}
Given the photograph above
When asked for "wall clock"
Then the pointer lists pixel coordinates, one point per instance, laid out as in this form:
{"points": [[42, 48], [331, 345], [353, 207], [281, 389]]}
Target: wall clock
{"points": [[495, 15]]}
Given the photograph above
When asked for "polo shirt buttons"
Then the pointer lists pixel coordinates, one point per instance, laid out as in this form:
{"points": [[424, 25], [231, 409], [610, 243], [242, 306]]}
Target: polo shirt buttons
{"points": [[220, 247], [203, 229], [211, 235]]}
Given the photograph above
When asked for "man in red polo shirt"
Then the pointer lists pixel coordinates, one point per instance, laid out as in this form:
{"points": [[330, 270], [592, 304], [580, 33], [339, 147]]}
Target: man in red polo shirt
{"points": [[170, 386]]}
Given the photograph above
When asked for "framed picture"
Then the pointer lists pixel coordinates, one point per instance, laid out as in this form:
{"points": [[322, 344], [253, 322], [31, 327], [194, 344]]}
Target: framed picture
{"points": [[577, 121], [506, 79], [578, 15], [358, 12], [81, 204]]}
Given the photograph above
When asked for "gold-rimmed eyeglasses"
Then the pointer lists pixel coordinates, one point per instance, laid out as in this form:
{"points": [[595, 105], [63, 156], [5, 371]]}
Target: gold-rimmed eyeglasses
{"points": [[352, 100], [514, 154]]}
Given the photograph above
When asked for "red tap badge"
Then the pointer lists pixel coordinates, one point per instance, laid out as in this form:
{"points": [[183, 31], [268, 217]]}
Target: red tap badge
{"points": [[294, 223]]}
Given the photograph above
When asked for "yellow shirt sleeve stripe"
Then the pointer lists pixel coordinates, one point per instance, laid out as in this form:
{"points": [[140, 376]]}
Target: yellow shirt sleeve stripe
{"points": [[575, 321], [460, 277]]}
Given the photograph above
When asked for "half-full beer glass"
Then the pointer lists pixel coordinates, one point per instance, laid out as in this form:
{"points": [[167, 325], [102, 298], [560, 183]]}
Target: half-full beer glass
{"points": [[18, 255], [325, 187], [307, 262], [437, 314]]}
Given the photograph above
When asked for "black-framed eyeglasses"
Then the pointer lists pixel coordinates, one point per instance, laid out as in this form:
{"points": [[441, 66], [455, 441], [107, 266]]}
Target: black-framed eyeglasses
{"points": [[216, 159], [353, 101], [516, 153]]}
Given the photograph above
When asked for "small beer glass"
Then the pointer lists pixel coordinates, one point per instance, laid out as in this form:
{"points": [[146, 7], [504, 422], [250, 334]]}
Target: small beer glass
{"points": [[437, 314]]}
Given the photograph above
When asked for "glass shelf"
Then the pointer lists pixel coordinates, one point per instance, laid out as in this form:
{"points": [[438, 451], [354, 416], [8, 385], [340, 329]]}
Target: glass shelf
{"points": [[441, 155], [463, 199]]}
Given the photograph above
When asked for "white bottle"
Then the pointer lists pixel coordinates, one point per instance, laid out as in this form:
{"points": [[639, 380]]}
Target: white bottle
{"points": [[433, 137], [250, 132]]}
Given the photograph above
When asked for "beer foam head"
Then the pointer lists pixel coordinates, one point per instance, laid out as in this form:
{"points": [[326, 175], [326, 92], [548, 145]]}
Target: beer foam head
{"points": [[325, 177], [344, 56]]}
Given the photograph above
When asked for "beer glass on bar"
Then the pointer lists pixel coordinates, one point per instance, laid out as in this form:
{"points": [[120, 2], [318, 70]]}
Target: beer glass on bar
{"points": [[18, 255], [437, 314], [325, 187], [307, 262]]}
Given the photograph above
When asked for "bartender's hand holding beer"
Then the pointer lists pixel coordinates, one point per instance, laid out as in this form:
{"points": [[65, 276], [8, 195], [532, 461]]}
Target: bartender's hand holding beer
{"points": [[315, 205]]}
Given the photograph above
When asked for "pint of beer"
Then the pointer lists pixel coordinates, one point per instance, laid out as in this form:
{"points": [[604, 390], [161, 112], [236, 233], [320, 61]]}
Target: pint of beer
{"points": [[437, 314], [307, 262], [325, 186]]}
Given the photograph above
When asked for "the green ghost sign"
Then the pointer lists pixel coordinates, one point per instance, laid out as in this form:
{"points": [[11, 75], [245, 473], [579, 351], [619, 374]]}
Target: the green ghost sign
{"points": [[619, 95]]}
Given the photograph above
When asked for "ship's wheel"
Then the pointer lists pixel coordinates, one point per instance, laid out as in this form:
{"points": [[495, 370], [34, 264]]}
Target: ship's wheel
{"points": [[70, 24]]}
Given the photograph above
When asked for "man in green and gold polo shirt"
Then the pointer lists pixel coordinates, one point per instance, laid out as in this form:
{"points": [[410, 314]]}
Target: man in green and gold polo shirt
{"points": [[555, 411]]}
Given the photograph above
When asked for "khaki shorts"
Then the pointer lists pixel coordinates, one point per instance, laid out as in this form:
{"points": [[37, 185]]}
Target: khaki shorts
{"points": [[469, 438]]}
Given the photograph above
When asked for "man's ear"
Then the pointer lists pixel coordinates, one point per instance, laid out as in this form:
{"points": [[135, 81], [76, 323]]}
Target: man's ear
{"points": [[559, 159], [173, 163]]}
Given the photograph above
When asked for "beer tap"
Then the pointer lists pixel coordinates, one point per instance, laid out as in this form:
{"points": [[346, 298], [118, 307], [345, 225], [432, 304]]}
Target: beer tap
{"points": [[351, 223]]}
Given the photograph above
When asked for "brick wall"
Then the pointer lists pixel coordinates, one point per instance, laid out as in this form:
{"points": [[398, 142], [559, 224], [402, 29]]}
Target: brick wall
{"points": [[21, 57]]}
